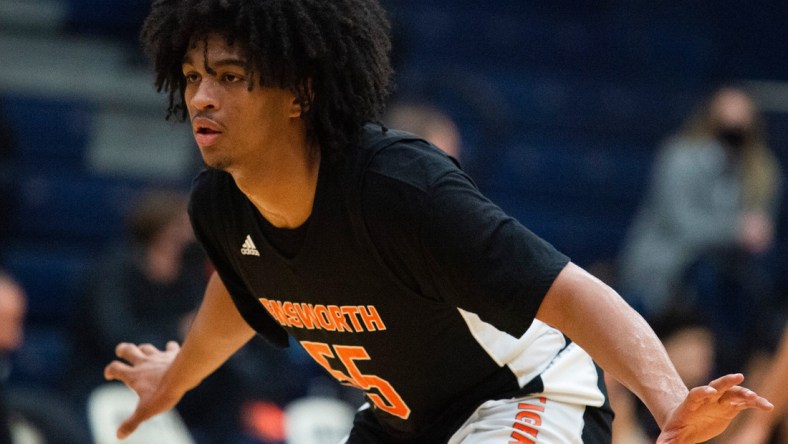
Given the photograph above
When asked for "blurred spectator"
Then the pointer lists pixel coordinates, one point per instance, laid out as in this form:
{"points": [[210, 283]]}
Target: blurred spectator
{"points": [[146, 291], [30, 412], [428, 122], [759, 428], [626, 424], [12, 315], [701, 235], [690, 344]]}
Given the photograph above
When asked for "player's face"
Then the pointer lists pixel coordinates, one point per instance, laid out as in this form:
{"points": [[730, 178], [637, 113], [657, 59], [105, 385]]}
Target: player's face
{"points": [[235, 124]]}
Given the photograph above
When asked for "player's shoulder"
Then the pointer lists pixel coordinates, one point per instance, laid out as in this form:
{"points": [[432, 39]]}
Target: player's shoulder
{"points": [[401, 157], [212, 188], [401, 178]]}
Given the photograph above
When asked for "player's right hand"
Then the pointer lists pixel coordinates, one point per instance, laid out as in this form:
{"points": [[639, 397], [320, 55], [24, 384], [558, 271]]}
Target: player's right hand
{"points": [[142, 369]]}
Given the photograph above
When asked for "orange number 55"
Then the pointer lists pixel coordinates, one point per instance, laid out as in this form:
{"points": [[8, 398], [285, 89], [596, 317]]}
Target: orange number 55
{"points": [[379, 391]]}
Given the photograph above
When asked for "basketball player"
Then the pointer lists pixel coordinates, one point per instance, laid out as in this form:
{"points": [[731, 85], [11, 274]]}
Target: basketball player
{"points": [[373, 250]]}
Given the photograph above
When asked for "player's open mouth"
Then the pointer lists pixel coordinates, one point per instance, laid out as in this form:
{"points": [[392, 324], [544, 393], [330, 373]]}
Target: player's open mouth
{"points": [[206, 131], [206, 136]]}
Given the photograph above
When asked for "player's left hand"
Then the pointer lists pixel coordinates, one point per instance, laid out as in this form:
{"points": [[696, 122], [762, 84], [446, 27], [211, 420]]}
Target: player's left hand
{"points": [[707, 411]]}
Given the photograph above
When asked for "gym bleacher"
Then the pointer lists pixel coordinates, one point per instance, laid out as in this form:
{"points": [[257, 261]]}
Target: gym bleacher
{"points": [[88, 133], [562, 104]]}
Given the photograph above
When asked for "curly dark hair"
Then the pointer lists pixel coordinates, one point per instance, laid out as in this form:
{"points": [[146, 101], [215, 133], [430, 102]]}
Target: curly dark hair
{"points": [[332, 54]]}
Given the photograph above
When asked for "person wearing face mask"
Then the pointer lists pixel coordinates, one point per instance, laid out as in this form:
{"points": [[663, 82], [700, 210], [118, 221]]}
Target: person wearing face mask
{"points": [[706, 224]]}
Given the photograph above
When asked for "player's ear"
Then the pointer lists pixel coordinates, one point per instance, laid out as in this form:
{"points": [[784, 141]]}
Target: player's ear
{"points": [[295, 107], [302, 101]]}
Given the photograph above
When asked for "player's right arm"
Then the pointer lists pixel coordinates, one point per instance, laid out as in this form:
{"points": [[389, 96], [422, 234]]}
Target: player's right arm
{"points": [[161, 378]]}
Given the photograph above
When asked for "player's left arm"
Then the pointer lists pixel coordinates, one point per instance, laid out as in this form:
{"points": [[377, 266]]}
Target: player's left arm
{"points": [[595, 317]]}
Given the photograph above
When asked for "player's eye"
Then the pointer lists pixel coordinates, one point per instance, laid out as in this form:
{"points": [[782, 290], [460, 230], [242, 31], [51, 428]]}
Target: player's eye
{"points": [[232, 78], [191, 77]]}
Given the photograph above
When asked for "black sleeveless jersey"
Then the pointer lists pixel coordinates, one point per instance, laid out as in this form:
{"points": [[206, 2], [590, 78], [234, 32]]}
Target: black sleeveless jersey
{"points": [[409, 284]]}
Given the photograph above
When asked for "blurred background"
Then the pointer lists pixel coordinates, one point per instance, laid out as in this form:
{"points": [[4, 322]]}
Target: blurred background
{"points": [[561, 108]]}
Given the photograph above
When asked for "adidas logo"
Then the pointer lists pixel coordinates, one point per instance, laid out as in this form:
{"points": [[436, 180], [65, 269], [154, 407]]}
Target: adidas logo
{"points": [[248, 248]]}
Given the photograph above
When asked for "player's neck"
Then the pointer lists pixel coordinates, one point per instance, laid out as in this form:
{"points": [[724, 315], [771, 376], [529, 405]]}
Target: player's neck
{"points": [[283, 191]]}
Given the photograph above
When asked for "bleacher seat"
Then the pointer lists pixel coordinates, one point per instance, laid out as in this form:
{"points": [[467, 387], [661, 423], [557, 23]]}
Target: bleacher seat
{"points": [[65, 207], [43, 360], [52, 275], [580, 197], [119, 19], [49, 133]]}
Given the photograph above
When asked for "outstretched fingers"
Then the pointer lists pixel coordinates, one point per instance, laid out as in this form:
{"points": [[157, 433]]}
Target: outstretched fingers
{"points": [[141, 368], [130, 357], [117, 370], [708, 410], [743, 398], [726, 391], [713, 392], [148, 349], [131, 352], [724, 383], [701, 396]]}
